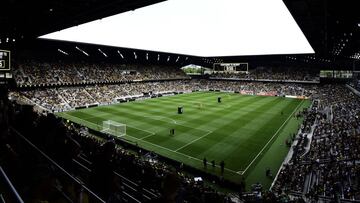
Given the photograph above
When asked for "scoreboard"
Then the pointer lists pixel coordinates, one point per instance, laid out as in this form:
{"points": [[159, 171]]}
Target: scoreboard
{"points": [[5, 59], [5, 67], [231, 67]]}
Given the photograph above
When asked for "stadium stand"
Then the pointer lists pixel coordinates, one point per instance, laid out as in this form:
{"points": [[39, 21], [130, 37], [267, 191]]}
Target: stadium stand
{"points": [[272, 74], [65, 98], [87, 161], [330, 168], [35, 73], [47, 158], [324, 164]]}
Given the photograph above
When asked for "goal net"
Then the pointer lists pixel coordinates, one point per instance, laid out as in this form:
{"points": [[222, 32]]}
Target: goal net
{"points": [[114, 128]]}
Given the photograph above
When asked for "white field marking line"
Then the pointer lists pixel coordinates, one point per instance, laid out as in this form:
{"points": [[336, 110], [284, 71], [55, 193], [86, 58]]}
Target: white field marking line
{"points": [[206, 134], [160, 118], [175, 122], [199, 138], [141, 139], [242, 172], [150, 133], [190, 157]]}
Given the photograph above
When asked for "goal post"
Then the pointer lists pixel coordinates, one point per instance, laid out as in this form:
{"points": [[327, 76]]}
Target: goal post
{"points": [[114, 128]]}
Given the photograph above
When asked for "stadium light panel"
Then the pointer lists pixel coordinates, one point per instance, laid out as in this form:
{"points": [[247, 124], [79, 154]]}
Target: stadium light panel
{"points": [[205, 28], [122, 56], [103, 53], [63, 52], [82, 51]]}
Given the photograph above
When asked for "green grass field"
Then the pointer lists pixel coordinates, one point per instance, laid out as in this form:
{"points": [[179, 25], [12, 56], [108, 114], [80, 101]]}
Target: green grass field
{"points": [[247, 132]]}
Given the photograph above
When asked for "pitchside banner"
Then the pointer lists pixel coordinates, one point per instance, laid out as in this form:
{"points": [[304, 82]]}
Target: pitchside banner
{"points": [[271, 93], [247, 92]]}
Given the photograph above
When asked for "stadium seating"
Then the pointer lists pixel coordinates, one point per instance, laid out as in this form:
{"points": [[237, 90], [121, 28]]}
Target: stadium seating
{"points": [[113, 173], [35, 73], [325, 154], [330, 169], [65, 98], [273, 74]]}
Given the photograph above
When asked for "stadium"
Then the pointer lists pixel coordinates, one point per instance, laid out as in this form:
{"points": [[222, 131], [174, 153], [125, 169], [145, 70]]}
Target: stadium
{"points": [[186, 101]]}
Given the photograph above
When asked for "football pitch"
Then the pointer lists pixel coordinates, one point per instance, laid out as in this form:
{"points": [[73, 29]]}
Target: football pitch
{"points": [[247, 132]]}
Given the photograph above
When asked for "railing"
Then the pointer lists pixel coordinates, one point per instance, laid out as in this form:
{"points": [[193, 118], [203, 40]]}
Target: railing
{"points": [[130, 187], [12, 195], [130, 192], [62, 171], [323, 198]]}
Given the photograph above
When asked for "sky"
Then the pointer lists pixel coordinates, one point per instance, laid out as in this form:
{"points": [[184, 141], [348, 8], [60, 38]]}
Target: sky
{"points": [[207, 28]]}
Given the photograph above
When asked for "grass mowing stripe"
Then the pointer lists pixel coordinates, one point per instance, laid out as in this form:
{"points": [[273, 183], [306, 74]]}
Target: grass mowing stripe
{"points": [[273, 156], [195, 132], [203, 117], [100, 126], [194, 141], [219, 135], [244, 137], [243, 172], [238, 119], [191, 157], [160, 104]]}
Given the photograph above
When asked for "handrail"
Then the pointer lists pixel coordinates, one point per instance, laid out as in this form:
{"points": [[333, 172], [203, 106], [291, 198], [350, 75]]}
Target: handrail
{"points": [[299, 194], [131, 197], [135, 184], [18, 198], [82, 165], [125, 183], [58, 166]]}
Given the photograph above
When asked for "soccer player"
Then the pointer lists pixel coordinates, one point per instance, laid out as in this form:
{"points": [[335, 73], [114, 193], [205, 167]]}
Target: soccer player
{"points": [[205, 162], [213, 163], [222, 167], [172, 131]]}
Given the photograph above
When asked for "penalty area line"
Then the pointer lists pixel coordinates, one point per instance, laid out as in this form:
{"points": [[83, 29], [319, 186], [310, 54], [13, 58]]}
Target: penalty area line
{"points": [[97, 125], [199, 138], [159, 146]]}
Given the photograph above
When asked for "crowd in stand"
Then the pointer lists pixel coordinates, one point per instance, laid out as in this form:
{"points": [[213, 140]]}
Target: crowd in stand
{"points": [[65, 98], [331, 168], [325, 160], [60, 73], [272, 73]]}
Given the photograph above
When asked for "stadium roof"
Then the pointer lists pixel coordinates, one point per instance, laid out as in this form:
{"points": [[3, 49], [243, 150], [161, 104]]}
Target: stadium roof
{"points": [[332, 27], [206, 28]]}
